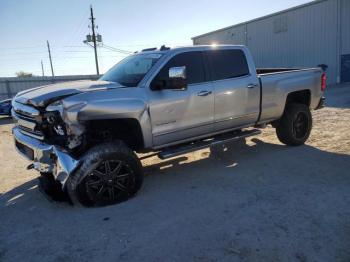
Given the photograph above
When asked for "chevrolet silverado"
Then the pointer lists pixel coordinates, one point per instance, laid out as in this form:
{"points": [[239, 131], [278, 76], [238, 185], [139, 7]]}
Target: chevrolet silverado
{"points": [[84, 135]]}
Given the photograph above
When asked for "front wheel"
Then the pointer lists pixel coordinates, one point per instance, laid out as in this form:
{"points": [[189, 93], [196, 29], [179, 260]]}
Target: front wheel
{"points": [[295, 126], [109, 174]]}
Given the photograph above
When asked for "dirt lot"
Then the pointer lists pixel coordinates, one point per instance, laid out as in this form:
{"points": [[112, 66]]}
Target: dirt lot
{"points": [[262, 201]]}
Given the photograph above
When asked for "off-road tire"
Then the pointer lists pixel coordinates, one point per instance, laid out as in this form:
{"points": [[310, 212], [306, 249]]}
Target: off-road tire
{"points": [[77, 187], [286, 126]]}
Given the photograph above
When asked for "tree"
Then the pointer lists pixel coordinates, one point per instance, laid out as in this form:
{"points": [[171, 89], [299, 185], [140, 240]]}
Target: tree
{"points": [[23, 74]]}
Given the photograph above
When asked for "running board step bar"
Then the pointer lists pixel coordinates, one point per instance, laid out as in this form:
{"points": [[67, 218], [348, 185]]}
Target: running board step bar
{"points": [[221, 139]]}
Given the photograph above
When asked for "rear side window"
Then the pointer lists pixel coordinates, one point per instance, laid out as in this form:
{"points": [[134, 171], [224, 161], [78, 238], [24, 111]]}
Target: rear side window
{"points": [[227, 64], [194, 67]]}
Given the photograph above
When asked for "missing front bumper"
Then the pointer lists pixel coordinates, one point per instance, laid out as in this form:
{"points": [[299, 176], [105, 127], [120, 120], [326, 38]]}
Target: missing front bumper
{"points": [[46, 158]]}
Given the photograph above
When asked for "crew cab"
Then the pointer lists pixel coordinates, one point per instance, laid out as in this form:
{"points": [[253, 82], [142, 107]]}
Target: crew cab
{"points": [[84, 135]]}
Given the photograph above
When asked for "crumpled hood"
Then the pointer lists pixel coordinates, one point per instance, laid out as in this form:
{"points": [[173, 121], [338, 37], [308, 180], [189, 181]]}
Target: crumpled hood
{"points": [[43, 95]]}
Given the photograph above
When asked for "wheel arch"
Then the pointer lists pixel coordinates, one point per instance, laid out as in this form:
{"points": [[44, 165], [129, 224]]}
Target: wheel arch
{"points": [[295, 97], [299, 97], [128, 130]]}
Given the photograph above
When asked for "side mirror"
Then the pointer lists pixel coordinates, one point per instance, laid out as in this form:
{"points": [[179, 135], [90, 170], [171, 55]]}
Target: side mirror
{"points": [[177, 78]]}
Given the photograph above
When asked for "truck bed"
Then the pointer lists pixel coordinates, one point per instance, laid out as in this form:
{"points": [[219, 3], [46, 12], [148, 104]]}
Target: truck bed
{"points": [[261, 71], [276, 83]]}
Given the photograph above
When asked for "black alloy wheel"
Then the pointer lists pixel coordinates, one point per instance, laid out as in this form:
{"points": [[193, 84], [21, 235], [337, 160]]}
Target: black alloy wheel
{"points": [[294, 127], [109, 173], [300, 125], [109, 182]]}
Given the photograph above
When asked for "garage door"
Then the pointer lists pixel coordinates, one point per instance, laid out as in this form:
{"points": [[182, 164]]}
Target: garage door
{"points": [[345, 68]]}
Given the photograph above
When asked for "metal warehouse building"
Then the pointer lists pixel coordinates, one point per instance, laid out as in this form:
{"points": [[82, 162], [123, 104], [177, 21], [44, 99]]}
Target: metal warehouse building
{"points": [[304, 36]]}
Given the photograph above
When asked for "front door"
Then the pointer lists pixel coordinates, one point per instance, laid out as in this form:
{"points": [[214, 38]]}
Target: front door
{"points": [[178, 115]]}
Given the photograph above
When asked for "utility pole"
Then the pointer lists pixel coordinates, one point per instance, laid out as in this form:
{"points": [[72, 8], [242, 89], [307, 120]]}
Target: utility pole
{"points": [[42, 68], [94, 38], [48, 48]]}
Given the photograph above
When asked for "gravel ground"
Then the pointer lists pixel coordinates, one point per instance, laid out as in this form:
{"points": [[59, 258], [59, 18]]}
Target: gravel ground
{"points": [[262, 201]]}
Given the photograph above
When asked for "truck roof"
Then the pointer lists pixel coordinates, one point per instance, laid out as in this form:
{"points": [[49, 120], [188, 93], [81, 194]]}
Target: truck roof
{"points": [[193, 47]]}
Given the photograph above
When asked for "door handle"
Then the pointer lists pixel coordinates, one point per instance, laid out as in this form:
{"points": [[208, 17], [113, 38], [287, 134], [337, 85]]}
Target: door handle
{"points": [[203, 93], [252, 86]]}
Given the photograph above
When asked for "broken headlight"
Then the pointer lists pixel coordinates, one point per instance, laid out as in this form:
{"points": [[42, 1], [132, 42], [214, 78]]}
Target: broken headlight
{"points": [[55, 106], [53, 117]]}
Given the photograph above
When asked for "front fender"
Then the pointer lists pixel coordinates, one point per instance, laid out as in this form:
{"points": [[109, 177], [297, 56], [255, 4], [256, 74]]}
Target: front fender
{"points": [[110, 104]]}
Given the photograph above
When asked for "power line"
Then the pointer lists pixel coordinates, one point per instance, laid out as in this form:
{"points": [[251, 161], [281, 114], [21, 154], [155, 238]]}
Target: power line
{"points": [[19, 47], [117, 49], [76, 34], [16, 57], [21, 53]]}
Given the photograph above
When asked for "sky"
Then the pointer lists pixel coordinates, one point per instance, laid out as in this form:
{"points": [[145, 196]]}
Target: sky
{"points": [[128, 25]]}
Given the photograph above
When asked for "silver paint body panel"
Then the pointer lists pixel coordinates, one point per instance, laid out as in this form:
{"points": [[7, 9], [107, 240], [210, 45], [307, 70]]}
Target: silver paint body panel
{"points": [[170, 117], [181, 114], [277, 86]]}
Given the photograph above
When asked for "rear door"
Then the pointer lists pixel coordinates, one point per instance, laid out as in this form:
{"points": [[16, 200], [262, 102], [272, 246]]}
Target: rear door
{"points": [[182, 114], [236, 89]]}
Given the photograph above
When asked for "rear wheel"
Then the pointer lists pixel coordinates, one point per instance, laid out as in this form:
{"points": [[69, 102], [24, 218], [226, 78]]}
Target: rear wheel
{"points": [[109, 174], [295, 126]]}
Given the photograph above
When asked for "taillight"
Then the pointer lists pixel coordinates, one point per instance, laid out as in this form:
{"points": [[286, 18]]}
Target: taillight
{"points": [[323, 82]]}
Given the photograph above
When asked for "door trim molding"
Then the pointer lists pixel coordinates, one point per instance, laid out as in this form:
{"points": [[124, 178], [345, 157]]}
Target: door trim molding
{"points": [[235, 118], [201, 136], [202, 125], [183, 129]]}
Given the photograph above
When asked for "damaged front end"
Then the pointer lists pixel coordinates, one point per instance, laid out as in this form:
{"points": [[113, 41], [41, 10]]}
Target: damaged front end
{"points": [[46, 158], [48, 139], [62, 125]]}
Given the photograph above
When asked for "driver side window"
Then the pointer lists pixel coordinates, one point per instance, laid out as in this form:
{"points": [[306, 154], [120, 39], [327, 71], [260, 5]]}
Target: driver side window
{"points": [[193, 62]]}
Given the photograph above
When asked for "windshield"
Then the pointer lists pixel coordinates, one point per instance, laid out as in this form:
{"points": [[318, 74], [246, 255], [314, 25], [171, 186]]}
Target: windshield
{"points": [[131, 70]]}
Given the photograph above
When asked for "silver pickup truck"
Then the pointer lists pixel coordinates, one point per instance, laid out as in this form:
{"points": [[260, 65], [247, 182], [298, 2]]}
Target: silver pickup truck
{"points": [[82, 136]]}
